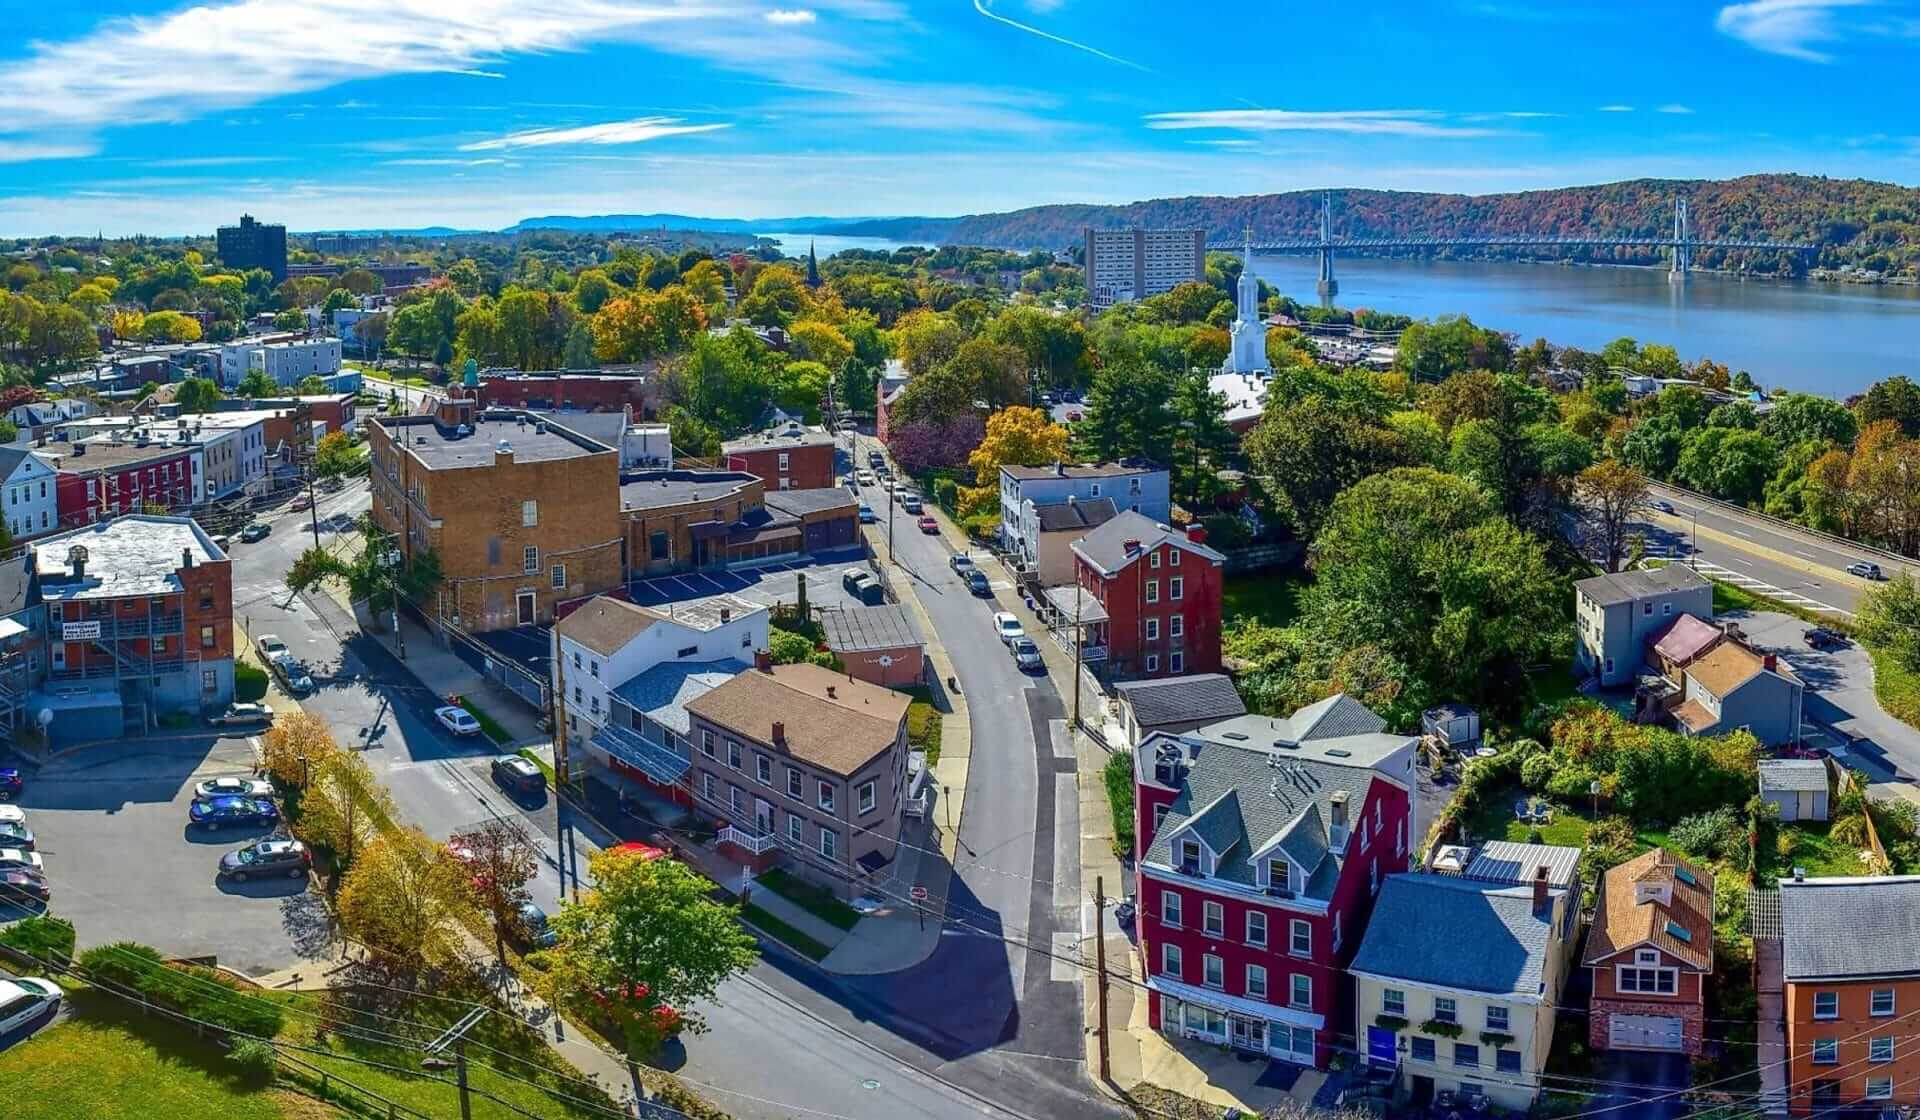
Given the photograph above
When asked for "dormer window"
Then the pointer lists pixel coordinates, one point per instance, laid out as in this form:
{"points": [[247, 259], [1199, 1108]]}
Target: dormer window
{"points": [[1279, 878], [1190, 856]]}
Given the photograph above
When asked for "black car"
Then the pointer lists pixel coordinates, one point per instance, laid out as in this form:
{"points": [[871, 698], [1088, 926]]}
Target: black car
{"points": [[215, 812], [978, 584], [255, 532], [268, 857], [1822, 638], [519, 775]]}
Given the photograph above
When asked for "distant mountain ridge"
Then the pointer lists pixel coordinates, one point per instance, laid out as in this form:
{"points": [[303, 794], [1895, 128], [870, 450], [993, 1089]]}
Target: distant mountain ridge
{"points": [[611, 222]]}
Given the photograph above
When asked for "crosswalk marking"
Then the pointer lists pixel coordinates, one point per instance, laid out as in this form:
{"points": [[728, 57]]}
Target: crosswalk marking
{"points": [[1748, 583]]}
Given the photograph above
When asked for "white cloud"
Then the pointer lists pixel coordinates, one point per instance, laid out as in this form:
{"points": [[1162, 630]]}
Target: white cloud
{"points": [[214, 161], [441, 162], [1357, 122], [1793, 28], [1680, 110], [791, 16], [1616, 108], [26, 151], [478, 73], [636, 131]]}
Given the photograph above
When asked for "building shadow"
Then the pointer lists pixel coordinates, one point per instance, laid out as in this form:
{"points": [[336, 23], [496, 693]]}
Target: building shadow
{"points": [[114, 775]]}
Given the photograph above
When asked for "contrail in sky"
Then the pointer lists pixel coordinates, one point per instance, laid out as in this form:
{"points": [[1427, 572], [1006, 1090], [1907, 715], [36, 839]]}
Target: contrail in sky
{"points": [[981, 7]]}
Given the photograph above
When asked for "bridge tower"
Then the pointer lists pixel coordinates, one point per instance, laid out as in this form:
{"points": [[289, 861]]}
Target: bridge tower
{"points": [[1328, 286], [1682, 243]]}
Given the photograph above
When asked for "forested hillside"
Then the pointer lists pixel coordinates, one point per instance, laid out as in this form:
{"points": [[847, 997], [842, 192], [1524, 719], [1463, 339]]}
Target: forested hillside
{"points": [[1855, 221]]}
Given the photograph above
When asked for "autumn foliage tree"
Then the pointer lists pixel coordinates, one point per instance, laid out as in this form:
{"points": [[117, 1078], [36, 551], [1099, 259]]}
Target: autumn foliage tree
{"points": [[502, 860], [344, 806], [295, 737], [406, 898], [1614, 494]]}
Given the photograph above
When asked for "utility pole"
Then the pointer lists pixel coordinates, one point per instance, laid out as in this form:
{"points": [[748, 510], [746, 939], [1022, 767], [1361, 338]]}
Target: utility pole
{"points": [[1100, 968], [1078, 593], [455, 1039], [890, 523]]}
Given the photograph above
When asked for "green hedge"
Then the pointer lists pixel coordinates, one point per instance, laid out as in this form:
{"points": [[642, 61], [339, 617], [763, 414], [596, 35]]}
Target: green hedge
{"points": [[249, 682], [43, 936], [200, 993], [1118, 776]]}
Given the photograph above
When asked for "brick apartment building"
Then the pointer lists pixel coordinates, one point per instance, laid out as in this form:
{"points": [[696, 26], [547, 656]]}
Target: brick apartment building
{"points": [[585, 392], [522, 514], [792, 457], [1157, 590], [1851, 966], [682, 520], [1261, 844], [100, 479]]}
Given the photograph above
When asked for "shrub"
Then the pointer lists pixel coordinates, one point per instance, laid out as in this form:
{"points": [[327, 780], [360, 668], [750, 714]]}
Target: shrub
{"points": [[124, 962], [1574, 783], [946, 492], [1718, 834], [257, 1060], [43, 936], [201, 993], [1118, 776], [249, 682], [1610, 841], [1537, 771]]}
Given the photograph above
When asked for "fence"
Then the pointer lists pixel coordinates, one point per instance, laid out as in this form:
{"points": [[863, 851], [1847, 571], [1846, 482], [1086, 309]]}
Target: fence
{"points": [[1256, 557], [1843, 780], [1830, 538]]}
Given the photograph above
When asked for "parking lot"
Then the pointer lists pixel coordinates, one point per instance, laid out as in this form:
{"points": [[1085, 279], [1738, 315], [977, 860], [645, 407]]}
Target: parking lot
{"points": [[766, 585], [111, 826]]}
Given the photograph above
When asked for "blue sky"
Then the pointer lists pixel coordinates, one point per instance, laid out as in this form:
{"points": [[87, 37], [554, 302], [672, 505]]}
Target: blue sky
{"points": [[476, 113]]}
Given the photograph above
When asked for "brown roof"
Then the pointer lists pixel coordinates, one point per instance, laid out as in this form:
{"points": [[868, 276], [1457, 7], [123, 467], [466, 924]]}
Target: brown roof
{"points": [[1687, 638], [830, 720], [1694, 715], [606, 624], [1725, 668], [1620, 923]]}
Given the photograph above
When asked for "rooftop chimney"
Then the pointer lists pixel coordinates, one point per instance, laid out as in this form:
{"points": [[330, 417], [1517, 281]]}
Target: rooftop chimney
{"points": [[1540, 890], [1131, 545], [1771, 662], [726, 615], [1197, 533], [763, 661], [779, 732]]}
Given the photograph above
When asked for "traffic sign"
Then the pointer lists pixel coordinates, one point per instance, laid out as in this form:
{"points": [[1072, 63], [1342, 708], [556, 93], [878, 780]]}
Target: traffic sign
{"points": [[919, 894]]}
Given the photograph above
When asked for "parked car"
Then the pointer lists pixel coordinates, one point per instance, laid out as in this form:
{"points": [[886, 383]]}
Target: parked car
{"points": [[929, 525], [1026, 655], [519, 775], [1007, 625], [851, 576], [12, 814], [14, 859], [24, 999], [869, 591], [333, 484], [293, 674], [21, 887], [233, 787], [644, 851], [910, 501], [267, 857], [256, 532], [867, 516], [12, 783], [851, 483], [961, 563], [1865, 571], [977, 582], [1822, 638], [300, 502], [270, 647], [217, 812], [222, 542], [457, 720], [874, 458], [865, 478], [1075, 416], [243, 714], [16, 834], [534, 929]]}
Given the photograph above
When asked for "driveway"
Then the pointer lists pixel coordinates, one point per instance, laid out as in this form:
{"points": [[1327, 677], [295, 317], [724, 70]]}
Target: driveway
{"points": [[1646, 1086], [1839, 697], [111, 824]]}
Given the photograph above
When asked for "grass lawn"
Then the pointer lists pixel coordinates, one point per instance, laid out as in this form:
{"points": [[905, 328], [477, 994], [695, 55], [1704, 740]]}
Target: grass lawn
{"points": [[782, 932], [1495, 821], [817, 901], [1897, 687], [489, 726], [1813, 849], [106, 1060], [923, 723], [1552, 685], [528, 754], [1266, 598]]}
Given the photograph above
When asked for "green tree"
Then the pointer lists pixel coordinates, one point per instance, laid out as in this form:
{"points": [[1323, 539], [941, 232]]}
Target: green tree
{"points": [[1307, 451], [359, 282], [1727, 463], [336, 455], [336, 300], [503, 860], [1896, 399], [1653, 446], [1433, 351], [1802, 416], [690, 436], [1614, 494], [578, 353], [406, 898], [196, 394], [591, 289], [311, 386], [1202, 443], [256, 384], [1126, 414], [649, 933], [1890, 619]]}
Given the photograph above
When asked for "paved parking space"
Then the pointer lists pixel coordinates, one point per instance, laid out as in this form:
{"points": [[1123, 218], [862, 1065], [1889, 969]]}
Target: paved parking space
{"points": [[1839, 697], [766, 584], [111, 825]]}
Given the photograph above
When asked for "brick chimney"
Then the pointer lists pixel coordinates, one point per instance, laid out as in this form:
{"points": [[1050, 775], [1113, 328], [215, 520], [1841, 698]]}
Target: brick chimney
{"points": [[1130, 546], [1197, 533], [763, 661], [1540, 903], [1771, 662], [779, 732]]}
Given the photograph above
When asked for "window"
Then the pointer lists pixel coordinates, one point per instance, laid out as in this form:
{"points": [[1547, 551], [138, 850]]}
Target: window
{"points": [[826, 843], [1302, 990], [1256, 982], [1213, 919], [594, 668], [706, 742], [1393, 1001], [1170, 909], [825, 800], [576, 659], [1826, 1051], [1497, 1019], [763, 769], [1177, 625], [1507, 1061], [529, 513], [867, 798], [206, 637], [1175, 587], [1646, 608], [784, 462], [209, 682], [1190, 855], [1660, 981], [1300, 938], [1883, 1001], [794, 784], [1666, 608], [657, 546], [559, 576], [1445, 1010], [706, 786], [1159, 814], [1153, 591], [796, 828], [576, 694], [1176, 662], [1153, 629], [733, 754], [737, 799], [1421, 1048], [1466, 1054], [1212, 971], [1256, 929], [1153, 663], [1879, 1088], [1880, 1049], [1170, 960], [594, 703], [1153, 561], [530, 560]]}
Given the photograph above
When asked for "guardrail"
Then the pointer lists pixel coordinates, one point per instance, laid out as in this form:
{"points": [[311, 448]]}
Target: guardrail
{"points": [[1780, 522]]}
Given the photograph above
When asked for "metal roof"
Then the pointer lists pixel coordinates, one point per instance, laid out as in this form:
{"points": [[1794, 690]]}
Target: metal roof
{"points": [[856, 629], [1626, 587], [1504, 861]]}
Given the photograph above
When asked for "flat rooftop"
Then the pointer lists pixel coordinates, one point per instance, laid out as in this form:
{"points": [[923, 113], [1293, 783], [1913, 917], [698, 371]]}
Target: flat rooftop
{"points": [[137, 554], [658, 489], [791, 436], [105, 455], [531, 439]]}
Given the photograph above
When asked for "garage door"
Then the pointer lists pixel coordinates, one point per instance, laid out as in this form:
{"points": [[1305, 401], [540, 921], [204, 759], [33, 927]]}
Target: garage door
{"points": [[1644, 1032]]}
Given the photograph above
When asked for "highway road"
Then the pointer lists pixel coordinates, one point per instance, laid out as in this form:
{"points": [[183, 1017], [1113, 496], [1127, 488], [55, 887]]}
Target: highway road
{"points": [[410, 395]]}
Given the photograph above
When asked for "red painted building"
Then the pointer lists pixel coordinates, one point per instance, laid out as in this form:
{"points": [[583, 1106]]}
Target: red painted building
{"points": [[1261, 844], [789, 458], [586, 392], [98, 480], [1159, 589]]}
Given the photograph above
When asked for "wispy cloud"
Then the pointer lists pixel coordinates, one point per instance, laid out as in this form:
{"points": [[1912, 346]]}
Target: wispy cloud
{"points": [[1680, 110], [985, 8], [1358, 122], [471, 73], [1616, 108], [26, 151], [1793, 28], [636, 131], [440, 162], [790, 16], [1510, 115], [214, 161]]}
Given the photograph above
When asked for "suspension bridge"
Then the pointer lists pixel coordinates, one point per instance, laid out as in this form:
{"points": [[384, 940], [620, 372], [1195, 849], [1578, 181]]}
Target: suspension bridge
{"points": [[1681, 243]]}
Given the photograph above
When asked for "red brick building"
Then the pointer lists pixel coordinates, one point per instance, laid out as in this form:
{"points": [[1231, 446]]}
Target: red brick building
{"points": [[1651, 951], [587, 392], [1159, 590], [101, 479], [1261, 844], [793, 457]]}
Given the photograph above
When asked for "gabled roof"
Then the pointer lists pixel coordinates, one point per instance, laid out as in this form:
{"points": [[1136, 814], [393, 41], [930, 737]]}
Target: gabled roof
{"points": [[1728, 666], [1200, 697], [1686, 638], [1841, 928], [1055, 517], [856, 629], [1336, 717], [1452, 932], [1625, 587], [605, 624], [1793, 775], [1106, 547], [827, 720], [1621, 922]]}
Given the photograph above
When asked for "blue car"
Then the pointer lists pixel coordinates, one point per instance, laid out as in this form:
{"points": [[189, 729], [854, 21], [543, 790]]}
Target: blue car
{"points": [[214, 812], [11, 783], [867, 516]]}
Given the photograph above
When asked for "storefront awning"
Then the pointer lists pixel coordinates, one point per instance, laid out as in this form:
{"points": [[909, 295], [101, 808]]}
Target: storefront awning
{"points": [[1236, 1005], [655, 761]]}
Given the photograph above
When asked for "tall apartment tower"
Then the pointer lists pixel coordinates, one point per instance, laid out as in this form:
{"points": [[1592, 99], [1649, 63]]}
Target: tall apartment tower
{"points": [[253, 245], [1129, 264]]}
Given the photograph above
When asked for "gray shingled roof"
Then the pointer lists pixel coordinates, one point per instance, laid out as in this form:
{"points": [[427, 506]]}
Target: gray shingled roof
{"points": [[1836, 928], [1336, 717], [1203, 696], [1625, 587], [663, 692], [798, 503], [857, 629], [1793, 775], [1457, 933], [1076, 514], [1106, 546]]}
